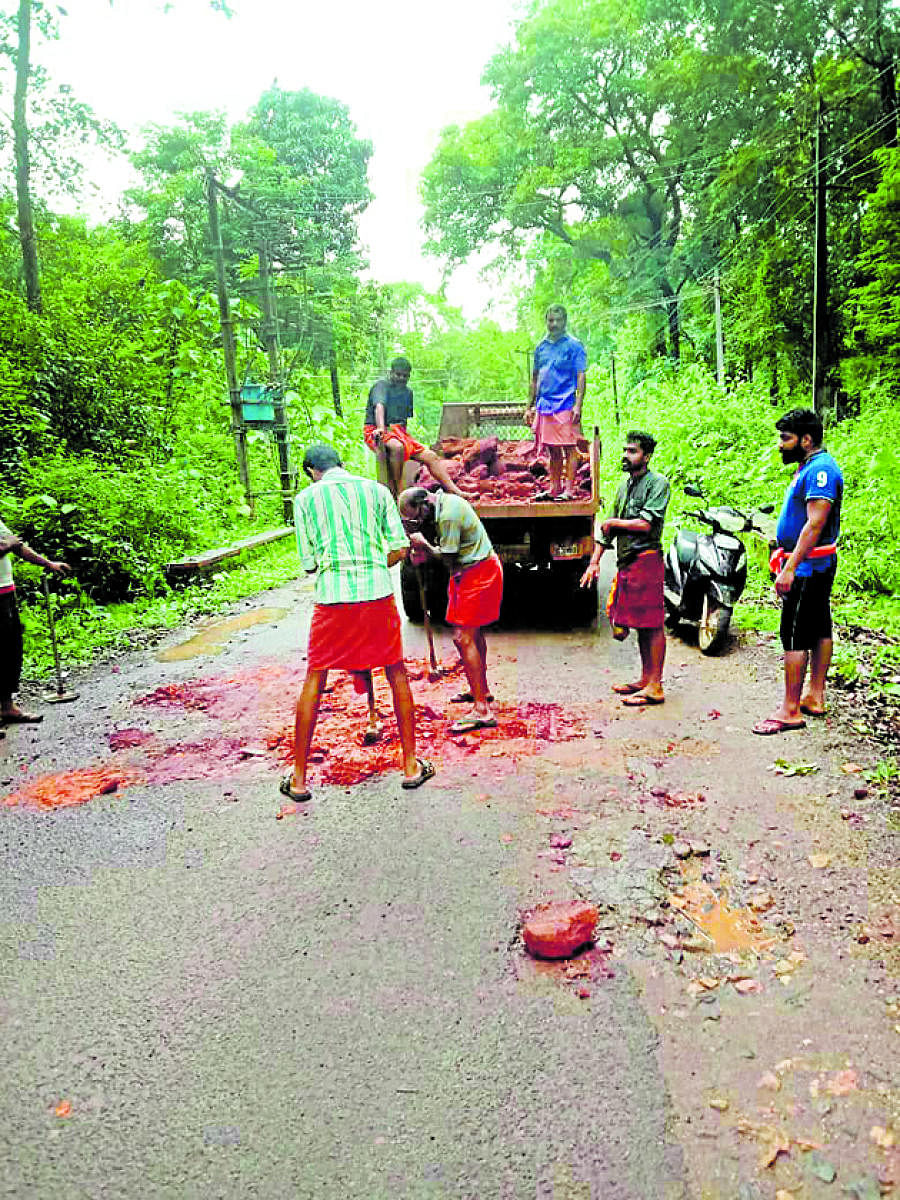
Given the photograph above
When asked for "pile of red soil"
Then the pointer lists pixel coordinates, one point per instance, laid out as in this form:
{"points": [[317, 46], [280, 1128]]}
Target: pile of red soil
{"points": [[488, 471], [249, 716]]}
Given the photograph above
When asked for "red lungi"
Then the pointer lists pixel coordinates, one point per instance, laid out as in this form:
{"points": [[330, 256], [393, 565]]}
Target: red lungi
{"points": [[556, 429], [355, 637], [394, 433], [475, 600], [636, 598]]}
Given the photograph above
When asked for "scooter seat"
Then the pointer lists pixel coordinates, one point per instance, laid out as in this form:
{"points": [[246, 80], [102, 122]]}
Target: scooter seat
{"points": [[686, 545]]}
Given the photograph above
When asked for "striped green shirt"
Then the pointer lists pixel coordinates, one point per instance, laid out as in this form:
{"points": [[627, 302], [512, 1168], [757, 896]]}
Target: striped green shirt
{"points": [[346, 527]]}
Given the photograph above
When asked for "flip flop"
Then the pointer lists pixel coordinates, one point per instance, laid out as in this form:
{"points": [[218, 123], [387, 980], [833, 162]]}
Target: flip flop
{"points": [[813, 712], [641, 700], [541, 496], [471, 724], [426, 772], [373, 734], [286, 790], [626, 689], [21, 718], [772, 725], [468, 698]]}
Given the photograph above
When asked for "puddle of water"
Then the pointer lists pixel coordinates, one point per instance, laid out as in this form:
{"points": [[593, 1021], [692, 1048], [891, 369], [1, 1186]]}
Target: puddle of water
{"points": [[211, 639], [727, 928]]}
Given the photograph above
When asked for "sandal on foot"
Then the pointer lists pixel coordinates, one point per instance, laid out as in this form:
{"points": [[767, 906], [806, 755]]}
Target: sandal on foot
{"points": [[813, 712], [772, 725], [426, 772], [468, 698], [473, 723], [286, 790], [642, 700], [626, 689], [373, 734]]}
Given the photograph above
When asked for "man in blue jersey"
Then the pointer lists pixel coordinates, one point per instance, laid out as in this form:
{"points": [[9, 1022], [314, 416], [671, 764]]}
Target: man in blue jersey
{"points": [[804, 564], [556, 397]]}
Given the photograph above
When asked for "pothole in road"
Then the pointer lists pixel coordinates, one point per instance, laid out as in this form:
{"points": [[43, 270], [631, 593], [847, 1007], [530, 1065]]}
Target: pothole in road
{"points": [[212, 638]]}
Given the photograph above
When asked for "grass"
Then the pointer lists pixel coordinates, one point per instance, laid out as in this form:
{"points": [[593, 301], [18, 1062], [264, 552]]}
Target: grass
{"points": [[85, 630]]}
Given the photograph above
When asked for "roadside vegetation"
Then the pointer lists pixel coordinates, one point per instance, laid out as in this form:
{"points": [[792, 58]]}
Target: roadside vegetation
{"points": [[628, 168]]}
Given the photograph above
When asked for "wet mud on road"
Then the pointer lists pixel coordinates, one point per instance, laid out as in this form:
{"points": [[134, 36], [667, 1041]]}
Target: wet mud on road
{"points": [[201, 1000]]}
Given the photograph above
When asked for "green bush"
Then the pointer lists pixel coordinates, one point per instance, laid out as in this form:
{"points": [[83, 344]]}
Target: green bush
{"points": [[118, 524]]}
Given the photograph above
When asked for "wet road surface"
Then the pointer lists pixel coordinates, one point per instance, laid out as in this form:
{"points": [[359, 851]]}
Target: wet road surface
{"points": [[337, 1004]]}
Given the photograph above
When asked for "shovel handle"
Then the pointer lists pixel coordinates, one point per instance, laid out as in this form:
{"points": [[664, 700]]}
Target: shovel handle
{"points": [[52, 625], [426, 616]]}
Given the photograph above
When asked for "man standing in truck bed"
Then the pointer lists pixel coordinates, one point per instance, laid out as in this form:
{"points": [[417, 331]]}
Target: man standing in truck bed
{"points": [[557, 394], [389, 407]]}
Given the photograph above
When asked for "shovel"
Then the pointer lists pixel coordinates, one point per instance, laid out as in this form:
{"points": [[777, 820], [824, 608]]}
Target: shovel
{"points": [[60, 696], [434, 673]]}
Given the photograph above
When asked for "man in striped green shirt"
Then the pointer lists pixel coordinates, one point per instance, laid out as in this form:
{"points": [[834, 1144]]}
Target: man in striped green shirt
{"points": [[349, 534]]}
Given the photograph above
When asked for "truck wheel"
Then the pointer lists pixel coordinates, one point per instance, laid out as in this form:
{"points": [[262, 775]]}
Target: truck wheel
{"points": [[409, 594], [585, 601], [575, 606], [714, 622]]}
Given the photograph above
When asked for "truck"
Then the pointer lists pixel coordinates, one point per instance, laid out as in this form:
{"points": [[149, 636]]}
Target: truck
{"points": [[544, 545]]}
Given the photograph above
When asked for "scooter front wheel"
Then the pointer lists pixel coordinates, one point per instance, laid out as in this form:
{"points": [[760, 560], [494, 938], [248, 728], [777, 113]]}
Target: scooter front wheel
{"points": [[715, 620]]}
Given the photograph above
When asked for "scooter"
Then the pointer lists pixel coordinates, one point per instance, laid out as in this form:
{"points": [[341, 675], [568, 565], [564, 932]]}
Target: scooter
{"points": [[706, 572]]}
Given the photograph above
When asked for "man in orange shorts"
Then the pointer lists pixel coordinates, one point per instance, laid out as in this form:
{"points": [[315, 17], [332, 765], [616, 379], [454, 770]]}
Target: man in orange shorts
{"points": [[556, 397], [448, 528], [389, 407], [349, 535]]}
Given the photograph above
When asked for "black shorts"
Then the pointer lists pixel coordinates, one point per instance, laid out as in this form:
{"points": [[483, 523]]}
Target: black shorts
{"points": [[806, 610]]}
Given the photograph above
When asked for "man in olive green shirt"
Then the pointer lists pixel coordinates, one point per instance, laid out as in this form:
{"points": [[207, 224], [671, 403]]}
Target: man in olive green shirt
{"points": [[447, 527], [636, 601]]}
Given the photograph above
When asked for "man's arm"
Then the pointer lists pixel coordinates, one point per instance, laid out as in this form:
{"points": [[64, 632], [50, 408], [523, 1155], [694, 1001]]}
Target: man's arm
{"points": [[816, 517], [579, 396], [532, 398], [615, 525], [8, 543], [593, 568], [24, 551], [304, 542], [379, 389]]}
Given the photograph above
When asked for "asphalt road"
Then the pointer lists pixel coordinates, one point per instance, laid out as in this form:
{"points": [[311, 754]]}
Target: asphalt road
{"points": [[337, 1004]]}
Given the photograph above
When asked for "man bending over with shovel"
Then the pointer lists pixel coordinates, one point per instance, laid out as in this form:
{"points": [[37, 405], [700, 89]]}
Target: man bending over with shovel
{"points": [[448, 528], [389, 407], [349, 535], [11, 625]]}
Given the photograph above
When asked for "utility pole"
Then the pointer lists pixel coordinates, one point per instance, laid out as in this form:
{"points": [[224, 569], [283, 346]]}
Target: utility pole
{"points": [[820, 348], [234, 392], [280, 426], [612, 363], [720, 344]]}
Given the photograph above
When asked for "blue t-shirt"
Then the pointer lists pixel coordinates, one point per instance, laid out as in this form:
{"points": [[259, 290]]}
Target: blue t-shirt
{"points": [[819, 478], [557, 365]]}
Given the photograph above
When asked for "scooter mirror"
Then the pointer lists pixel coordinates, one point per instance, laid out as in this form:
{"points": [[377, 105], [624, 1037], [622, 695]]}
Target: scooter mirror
{"points": [[691, 490]]}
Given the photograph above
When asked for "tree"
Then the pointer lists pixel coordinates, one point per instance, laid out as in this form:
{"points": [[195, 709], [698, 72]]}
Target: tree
{"points": [[874, 308]]}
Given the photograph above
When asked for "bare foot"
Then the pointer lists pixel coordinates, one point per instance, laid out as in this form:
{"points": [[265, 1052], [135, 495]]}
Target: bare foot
{"points": [[628, 689]]}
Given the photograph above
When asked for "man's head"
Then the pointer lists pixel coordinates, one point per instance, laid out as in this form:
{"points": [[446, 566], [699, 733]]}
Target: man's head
{"points": [[416, 507], [556, 318], [319, 458], [636, 452], [799, 434], [401, 369]]}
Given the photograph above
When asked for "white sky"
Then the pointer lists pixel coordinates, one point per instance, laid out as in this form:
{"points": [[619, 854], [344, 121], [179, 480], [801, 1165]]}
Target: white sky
{"points": [[404, 68]]}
